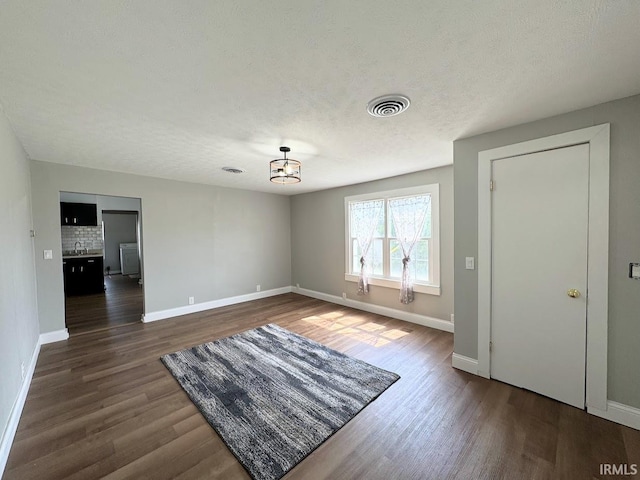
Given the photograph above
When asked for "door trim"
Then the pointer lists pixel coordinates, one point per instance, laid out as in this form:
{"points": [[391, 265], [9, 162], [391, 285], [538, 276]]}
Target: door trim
{"points": [[598, 250]]}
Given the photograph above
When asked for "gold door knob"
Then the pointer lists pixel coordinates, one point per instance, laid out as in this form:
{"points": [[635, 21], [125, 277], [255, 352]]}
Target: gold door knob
{"points": [[573, 293]]}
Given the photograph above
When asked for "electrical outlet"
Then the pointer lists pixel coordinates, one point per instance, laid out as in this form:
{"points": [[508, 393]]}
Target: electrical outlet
{"points": [[258, 287], [452, 316], [344, 295], [192, 300], [22, 370], [48, 254], [297, 285]]}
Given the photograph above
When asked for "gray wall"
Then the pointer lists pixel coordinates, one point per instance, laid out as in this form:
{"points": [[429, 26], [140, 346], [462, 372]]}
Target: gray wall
{"points": [[624, 232], [198, 240], [73, 197], [118, 228], [318, 242], [18, 312]]}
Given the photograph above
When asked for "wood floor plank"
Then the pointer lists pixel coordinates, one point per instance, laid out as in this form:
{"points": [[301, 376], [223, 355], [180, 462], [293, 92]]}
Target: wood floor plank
{"points": [[102, 405], [632, 445], [163, 456], [219, 464], [120, 304]]}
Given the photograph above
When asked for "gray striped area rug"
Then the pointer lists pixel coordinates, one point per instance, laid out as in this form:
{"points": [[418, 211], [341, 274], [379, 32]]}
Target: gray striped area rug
{"points": [[275, 396]]}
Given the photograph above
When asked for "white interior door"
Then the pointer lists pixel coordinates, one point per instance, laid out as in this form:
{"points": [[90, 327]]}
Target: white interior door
{"points": [[539, 254]]}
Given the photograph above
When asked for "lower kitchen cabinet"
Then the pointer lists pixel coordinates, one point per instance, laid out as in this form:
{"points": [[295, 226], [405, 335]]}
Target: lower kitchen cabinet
{"points": [[83, 276]]}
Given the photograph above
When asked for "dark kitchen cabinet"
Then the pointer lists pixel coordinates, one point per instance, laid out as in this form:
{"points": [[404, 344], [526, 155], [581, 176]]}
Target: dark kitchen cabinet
{"points": [[83, 276], [78, 214]]}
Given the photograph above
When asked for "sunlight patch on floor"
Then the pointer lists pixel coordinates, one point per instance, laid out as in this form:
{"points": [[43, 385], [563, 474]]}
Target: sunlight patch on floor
{"points": [[352, 326], [394, 334], [371, 327]]}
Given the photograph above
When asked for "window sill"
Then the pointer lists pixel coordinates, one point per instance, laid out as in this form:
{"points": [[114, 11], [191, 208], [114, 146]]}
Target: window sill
{"points": [[395, 284]]}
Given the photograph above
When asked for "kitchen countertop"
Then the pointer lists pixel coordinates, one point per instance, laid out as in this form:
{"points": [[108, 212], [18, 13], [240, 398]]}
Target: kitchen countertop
{"points": [[91, 254]]}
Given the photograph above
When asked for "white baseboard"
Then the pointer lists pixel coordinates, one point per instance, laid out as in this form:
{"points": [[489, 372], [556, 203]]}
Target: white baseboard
{"points": [[56, 336], [465, 364], [380, 310], [618, 413], [14, 417], [200, 307]]}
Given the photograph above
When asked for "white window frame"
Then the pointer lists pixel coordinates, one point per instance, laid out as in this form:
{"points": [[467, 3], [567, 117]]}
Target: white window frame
{"points": [[431, 288]]}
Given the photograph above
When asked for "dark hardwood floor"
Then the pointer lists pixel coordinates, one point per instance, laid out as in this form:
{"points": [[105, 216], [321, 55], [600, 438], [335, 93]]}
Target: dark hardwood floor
{"points": [[120, 304], [102, 405]]}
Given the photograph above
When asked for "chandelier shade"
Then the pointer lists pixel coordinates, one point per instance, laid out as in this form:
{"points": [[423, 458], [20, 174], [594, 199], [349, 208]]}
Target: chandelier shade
{"points": [[285, 170]]}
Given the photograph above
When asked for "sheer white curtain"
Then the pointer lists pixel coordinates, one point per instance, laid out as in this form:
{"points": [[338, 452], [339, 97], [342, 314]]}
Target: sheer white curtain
{"points": [[408, 216], [364, 219]]}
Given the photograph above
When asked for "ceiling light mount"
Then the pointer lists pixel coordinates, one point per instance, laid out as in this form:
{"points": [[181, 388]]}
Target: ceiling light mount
{"points": [[388, 105], [284, 170]]}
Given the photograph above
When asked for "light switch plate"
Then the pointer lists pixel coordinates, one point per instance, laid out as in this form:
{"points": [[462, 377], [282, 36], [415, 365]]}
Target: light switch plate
{"points": [[634, 271], [470, 263], [48, 254]]}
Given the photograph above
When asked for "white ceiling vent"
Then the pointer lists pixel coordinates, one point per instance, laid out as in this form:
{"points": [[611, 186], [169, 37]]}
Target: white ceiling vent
{"points": [[232, 170], [388, 105]]}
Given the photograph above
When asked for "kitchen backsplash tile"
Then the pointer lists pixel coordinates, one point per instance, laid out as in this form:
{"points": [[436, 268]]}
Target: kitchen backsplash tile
{"points": [[89, 237]]}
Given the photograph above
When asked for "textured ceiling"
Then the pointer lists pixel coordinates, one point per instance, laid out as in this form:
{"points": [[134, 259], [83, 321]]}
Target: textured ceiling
{"points": [[180, 89]]}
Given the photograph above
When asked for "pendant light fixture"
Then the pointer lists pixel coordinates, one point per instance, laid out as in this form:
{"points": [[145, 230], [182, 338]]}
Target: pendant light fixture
{"points": [[284, 170]]}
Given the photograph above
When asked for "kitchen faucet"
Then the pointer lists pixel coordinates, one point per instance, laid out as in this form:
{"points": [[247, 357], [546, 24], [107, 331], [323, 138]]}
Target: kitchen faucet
{"points": [[75, 247]]}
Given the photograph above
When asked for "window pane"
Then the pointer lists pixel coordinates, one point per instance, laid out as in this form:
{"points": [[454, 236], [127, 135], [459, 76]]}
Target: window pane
{"points": [[408, 211], [374, 257], [390, 227], [365, 218], [379, 232], [426, 229], [419, 264], [355, 259], [396, 258], [421, 260]]}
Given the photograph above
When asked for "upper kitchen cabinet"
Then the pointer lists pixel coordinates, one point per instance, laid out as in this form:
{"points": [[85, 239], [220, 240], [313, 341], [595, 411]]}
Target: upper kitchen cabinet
{"points": [[78, 214]]}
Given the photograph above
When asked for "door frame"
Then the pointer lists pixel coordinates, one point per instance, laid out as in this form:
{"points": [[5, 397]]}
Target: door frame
{"points": [[598, 250]]}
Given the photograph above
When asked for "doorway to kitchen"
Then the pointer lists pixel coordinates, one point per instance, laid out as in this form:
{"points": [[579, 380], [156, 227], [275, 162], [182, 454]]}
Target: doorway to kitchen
{"points": [[102, 261]]}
